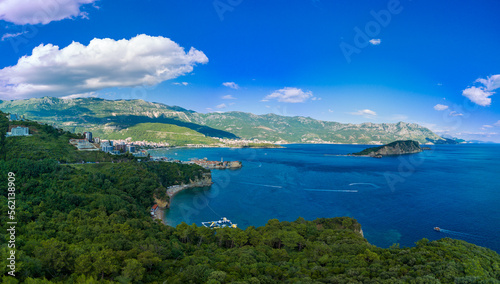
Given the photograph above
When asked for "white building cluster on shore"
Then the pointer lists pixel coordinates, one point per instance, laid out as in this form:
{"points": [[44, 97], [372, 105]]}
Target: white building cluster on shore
{"points": [[114, 147]]}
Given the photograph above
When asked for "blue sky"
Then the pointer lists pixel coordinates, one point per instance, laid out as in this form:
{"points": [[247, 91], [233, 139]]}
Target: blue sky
{"points": [[429, 62]]}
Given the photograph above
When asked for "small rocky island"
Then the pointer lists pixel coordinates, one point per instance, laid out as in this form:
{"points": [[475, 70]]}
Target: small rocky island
{"points": [[391, 149]]}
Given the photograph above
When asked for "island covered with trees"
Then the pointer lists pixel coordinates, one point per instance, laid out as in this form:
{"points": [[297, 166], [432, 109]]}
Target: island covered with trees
{"points": [[401, 147], [90, 223]]}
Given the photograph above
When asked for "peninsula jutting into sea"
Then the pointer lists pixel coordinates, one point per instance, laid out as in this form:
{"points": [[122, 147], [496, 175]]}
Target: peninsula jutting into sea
{"points": [[249, 142]]}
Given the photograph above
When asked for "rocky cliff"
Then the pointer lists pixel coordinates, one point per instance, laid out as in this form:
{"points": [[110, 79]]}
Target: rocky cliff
{"points": [[394, 148]]}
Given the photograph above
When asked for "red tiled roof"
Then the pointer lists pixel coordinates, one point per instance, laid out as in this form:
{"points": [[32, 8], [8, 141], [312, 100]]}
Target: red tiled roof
{"points": [[155, 206]]}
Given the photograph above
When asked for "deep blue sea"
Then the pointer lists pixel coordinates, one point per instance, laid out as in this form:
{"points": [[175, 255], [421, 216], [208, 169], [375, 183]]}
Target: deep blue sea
{"points": [[396, 199]]}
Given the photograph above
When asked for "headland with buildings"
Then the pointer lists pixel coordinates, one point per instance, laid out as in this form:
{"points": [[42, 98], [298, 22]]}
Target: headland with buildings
{"points": [[114, 147]]}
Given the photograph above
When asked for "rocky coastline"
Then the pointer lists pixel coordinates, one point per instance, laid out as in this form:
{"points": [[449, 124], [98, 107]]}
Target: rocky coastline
{"points": [[204, 181], [360, 232]]}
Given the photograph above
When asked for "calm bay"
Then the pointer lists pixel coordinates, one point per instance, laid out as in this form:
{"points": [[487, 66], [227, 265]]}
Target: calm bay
{"points": [[396, 199]]}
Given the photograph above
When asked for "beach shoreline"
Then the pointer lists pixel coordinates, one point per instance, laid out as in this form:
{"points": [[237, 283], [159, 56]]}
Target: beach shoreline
{"points": [[204, 181]]}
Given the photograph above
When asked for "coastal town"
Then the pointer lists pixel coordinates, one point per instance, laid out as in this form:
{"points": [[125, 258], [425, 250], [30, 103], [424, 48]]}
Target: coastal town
{"points": [[117, 147], [88, 143]]}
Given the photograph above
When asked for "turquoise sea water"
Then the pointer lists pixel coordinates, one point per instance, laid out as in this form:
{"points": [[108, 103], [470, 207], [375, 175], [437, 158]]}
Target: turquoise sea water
{"points": [[396, 199]]}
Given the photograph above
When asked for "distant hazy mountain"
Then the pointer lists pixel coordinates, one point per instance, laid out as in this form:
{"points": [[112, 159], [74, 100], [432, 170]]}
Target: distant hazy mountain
{"points": [[106, 117]]}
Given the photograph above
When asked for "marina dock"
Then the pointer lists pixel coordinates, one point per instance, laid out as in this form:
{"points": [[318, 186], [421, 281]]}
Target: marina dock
{"points": [[222, 223]]}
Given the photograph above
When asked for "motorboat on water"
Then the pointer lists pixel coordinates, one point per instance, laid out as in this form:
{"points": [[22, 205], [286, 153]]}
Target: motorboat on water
{"points": [[437, 229]]}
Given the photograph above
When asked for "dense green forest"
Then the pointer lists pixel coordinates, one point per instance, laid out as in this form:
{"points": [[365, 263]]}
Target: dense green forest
{"points": [[90, 224]]}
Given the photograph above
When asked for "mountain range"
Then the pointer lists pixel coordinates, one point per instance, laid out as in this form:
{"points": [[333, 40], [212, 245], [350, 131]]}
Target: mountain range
{"points": [[157, 122]]}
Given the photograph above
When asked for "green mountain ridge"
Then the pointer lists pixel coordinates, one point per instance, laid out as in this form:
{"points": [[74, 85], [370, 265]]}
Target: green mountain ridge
{"points": [[299, 129], [105, 117]]}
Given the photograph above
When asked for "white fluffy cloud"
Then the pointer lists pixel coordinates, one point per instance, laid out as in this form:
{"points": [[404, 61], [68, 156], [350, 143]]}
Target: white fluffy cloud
{"points": [[221, 106], [104, 63], [228, 97], [364, 112], [231, 85], [491, 83], [22, 12], [181, 83], [289, 95], [367, 113], [481, 94], [478, 95], [497, 123], [86, 95], [440, 107], [375, 41]]}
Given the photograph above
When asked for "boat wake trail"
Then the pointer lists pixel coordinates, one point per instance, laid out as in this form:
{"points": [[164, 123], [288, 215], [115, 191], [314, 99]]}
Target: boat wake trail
{"points": [[265, 185], [331, 190], [364, 183], [460, 234], [208, 205]]}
